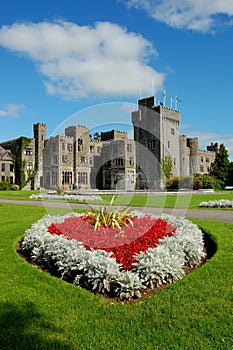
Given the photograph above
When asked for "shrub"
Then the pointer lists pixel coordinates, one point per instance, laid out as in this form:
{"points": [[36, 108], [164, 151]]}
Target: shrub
{"points": [[60, 190], [5, 186], [178, 182], [208, 181]]}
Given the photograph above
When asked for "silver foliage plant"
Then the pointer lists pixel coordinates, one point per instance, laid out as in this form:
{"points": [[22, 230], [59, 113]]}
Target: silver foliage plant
{"points": [[95, 270], [222, 203]]}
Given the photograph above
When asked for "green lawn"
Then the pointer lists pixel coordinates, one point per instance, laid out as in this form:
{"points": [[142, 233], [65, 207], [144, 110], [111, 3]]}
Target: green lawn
{"points": [[190, 201], [22, 195], [42, 312]]}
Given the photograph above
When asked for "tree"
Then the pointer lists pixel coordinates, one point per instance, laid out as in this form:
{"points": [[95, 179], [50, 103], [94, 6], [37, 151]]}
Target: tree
{"points": [[221, 166], [96, 136], [166, 167]]}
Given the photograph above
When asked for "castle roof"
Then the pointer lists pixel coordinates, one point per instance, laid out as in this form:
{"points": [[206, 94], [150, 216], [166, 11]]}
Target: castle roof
{"points": [[3, 152]]}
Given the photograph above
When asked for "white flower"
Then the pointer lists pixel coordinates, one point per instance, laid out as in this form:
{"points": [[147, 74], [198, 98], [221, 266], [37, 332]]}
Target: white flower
{"points": [[98, 271]]}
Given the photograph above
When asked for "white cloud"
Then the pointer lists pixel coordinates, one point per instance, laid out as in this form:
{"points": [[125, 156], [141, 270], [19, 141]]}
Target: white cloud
{"points": [[82, 61], [198, 15], [11, 110]]}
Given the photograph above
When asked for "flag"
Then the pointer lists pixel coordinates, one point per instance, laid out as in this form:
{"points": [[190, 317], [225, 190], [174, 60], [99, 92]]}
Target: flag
{"points": [[164, 95], [177, 99]]}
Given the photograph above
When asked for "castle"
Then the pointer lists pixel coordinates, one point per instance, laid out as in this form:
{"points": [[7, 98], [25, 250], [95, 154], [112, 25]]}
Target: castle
{"points": [[112, 161]]}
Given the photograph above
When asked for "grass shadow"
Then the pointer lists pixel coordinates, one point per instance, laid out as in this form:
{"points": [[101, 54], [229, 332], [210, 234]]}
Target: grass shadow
{"points": [[23, 327]]}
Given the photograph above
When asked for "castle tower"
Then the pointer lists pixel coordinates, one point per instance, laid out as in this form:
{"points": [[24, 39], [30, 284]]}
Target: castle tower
{"points": [[156, 133], [81, 139], [40, 137], [213, 147], [184, 157], [192, 143]]}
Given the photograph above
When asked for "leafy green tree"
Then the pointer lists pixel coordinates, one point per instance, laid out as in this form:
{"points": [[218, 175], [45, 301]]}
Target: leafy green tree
{"points": [[166, 167], [221, 166], [97, 136]]}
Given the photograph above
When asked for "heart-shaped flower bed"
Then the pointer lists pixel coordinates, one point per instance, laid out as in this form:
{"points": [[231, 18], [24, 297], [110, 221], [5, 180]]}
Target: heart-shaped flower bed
{"points": [[119, 261], [124, 243]]}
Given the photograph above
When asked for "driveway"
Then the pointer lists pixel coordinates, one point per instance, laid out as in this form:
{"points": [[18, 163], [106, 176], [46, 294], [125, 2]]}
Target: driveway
{"points": [[217, 215]]}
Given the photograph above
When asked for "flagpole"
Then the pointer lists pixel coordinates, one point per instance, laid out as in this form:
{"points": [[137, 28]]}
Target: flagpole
{"points": [[164, 97], [171, 101]]}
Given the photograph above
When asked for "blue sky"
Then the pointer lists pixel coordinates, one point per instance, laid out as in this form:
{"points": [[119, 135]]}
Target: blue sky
{"points": [[88, 62]]}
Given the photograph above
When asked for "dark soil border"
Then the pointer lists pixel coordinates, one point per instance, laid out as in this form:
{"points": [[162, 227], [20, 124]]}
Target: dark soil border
{"points": [[209, 249]]}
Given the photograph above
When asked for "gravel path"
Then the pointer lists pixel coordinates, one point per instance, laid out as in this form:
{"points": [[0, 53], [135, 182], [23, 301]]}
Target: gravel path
{"points": [[217, 214]]}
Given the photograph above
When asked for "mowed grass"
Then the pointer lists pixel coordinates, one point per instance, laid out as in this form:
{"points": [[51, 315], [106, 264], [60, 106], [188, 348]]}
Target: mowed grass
{"points": [[160, 200], [42, 312], [168, 200]]}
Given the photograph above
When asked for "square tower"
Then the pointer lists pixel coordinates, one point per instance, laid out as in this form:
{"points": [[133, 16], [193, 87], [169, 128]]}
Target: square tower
{"points": [[156, 133]]}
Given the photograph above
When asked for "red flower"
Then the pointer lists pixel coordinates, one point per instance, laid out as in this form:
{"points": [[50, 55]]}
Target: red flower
{"points": [[124, 244]]}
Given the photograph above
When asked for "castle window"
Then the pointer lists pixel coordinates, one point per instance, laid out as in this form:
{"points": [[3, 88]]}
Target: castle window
{"points": [[174, 161], [129, 147], [63, 146], [82, 177], [69, 147], [131, 161], [130, 176], [66, 177], [55, 159], [202, 159], [172, 131], [28, 152], [64, 158], [54, 178], [207, 160], [120, 161], [3, 178], [11, 167], [98, 149], [29, 166], [80, 148], [83, 160], [168, 144], [3, 167], [92, 149], [90, 160], [152, 144], [80, 145], [201, 168]]}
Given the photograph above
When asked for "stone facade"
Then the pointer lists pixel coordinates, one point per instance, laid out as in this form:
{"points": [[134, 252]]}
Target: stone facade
{"points": [[192, 159], [119, 165], [6, 166], [23, 151], [111, 161], [76, 159], [58, 162], [156, 133], [157, 138]]}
